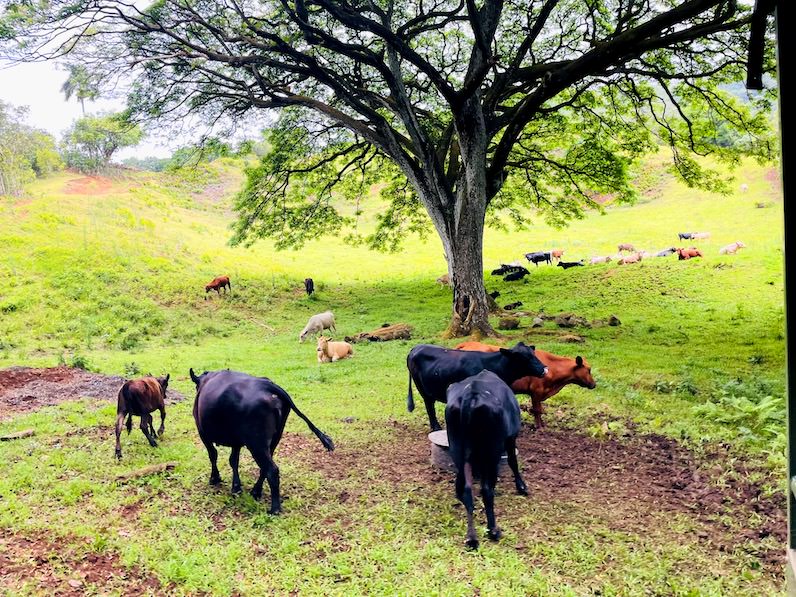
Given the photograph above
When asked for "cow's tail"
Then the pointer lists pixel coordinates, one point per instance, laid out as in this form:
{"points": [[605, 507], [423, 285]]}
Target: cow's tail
{"points": [[325, 439], [410, 401]]}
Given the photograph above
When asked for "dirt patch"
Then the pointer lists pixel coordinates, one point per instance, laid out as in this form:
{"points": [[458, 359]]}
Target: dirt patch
{"points": [[629, 484], [64, 567], [88, 185], [25, 389]]}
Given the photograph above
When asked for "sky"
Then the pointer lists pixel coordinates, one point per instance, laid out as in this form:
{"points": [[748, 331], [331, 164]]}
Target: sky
{"points": [[38, 86]]}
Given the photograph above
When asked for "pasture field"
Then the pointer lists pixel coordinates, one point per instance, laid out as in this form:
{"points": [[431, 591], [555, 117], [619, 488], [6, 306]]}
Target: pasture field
{"points": [[664, 480]]}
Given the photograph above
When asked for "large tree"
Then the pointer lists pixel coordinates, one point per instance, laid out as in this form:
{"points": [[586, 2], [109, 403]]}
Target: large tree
{"points": [[468, 108]]}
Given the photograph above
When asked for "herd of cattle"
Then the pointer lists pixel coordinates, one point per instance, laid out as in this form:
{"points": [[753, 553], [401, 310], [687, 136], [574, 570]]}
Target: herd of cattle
{"points": [[626, 254], [477, 383]]}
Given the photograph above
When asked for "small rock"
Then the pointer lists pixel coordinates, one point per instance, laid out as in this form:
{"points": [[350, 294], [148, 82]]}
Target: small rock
{"points": [[572, 339], [570, 320], [75, 584], [508, 323], [348, 419], [537, 322], [614, 321]]}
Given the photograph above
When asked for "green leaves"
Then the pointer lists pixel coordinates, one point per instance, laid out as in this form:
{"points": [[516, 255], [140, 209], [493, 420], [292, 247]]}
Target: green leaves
{"points": [[91, 142]]}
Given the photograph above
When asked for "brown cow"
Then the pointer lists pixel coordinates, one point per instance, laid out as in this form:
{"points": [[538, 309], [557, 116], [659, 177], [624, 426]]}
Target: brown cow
{"points": [[557, 254], [688, 253], [140, 397], [561, 371], [218, 283], [626, 247]]}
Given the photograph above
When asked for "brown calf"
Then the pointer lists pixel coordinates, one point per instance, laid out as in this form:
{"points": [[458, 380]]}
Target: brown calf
{"points": [[140, 397], [557, 254], [218, 283], [561, 371]]}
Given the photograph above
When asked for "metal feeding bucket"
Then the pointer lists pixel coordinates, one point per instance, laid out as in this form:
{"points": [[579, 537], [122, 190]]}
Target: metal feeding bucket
{"points": [[441, 458]]}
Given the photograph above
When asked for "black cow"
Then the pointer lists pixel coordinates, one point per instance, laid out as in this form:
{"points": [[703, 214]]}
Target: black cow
{"points": [[235, 409], [309, 286], [483, 419], [434, 368], [569, 264], [517, 273], [538, 257], [666, 252], [494, 294], [685, 235], [511, 306]]}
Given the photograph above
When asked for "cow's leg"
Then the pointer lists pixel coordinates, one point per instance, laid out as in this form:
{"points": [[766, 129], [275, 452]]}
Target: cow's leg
{"points": [[537, 413], [467, 500], [212, 453], [432, 414], [488, 495], [234, 458], [146, 424], [268, 470], [119, 425], [511, 453], [162, 420]]}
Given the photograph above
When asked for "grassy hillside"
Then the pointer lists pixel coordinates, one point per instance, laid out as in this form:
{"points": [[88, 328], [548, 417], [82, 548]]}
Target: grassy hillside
{"points": [[111, 273]]}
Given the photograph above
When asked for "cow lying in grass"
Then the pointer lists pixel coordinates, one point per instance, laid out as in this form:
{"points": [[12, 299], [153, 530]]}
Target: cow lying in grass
{"points": [[235, 409], [434, 368], [483, 419], [689, 253], [140, 397], [317, 323], [633, 258], [561, 371], [329, 352], [732, 249]]}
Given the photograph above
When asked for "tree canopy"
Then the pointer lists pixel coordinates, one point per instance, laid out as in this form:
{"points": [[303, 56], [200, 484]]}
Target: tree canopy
{"points": [[466, 109], [89, 145]]}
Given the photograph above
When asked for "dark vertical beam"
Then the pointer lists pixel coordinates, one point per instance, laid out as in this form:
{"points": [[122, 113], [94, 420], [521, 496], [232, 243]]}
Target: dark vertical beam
{"points": [[785, 47]]}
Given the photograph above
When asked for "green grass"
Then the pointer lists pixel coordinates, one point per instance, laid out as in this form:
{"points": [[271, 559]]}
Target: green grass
{"points": [[117, 280]]}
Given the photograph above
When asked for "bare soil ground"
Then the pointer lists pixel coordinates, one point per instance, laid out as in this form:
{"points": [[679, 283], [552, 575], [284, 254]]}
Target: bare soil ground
{"points": [[89, 185], [25, 389], [631, 484], [55, 566]]}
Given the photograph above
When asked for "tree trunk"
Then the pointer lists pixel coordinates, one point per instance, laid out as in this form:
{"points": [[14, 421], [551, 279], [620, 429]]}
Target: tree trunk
{"points": [[465, 262]]}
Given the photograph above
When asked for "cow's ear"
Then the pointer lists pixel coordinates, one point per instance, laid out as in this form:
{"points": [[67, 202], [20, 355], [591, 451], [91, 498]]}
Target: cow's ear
{"points": [[193, 376], [506, 351], [579, 361], [168, 375], [532, 347]]}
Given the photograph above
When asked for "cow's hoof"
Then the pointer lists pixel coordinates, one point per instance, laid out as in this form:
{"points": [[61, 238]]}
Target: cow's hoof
{"points": [[275, 511], [522, 489], [495, 534], [118, 454], [154, 444], [471, 543], [256, 494], [436, 428], [215, 479], [237, 490]]}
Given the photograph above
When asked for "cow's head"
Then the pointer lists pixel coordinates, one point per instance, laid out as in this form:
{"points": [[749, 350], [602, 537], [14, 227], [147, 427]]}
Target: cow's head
{"points": [[323, 344], [523, 361], [582, 374], [164, 382]]}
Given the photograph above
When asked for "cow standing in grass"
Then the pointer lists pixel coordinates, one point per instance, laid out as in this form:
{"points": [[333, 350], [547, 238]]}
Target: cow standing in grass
{"points": [[235, 409], [483, 419], [217, 284], [561, 371], [140, 397]]}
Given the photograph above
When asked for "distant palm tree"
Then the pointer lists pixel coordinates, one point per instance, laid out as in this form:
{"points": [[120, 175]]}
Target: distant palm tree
{"points": [[81, 84]]}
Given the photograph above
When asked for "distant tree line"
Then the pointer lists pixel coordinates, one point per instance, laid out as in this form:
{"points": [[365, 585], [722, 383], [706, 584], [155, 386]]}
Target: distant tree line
{"points": [[25, 152]]}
